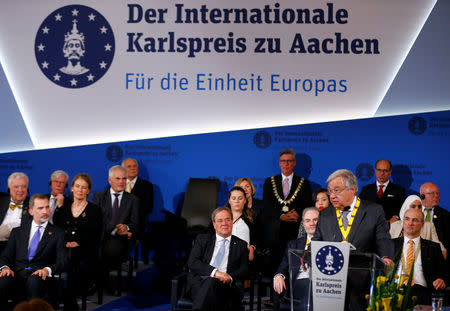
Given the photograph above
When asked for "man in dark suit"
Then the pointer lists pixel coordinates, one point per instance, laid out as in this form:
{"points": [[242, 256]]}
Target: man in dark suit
{"points": [[384, 192], [358, 222], [284, 198], [216, 262], [35, 252], [440, 217], [142, 189], [14, 207], [120, 212], [301, 283], [429, 265], [58, 184]]}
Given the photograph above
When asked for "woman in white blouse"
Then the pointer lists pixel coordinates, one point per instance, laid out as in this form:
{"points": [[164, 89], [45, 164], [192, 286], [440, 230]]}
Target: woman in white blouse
{"points": [[243, 219]]}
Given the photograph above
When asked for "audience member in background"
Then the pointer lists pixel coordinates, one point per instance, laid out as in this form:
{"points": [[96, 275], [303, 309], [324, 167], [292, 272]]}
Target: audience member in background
{"points": [[142, 189], [34, 253], [429, 270], [310, 217], [244, 221], [428, 230], [321, 199], [384, 192], [58, 184], [35, 304], [13, 207], [284, 196], [216, 262], [440, 217], [254, 204], [82, 225], [120, 211]]}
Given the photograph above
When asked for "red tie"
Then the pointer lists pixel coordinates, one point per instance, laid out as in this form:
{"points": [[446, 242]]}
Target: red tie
{"points": [[380, 191]]}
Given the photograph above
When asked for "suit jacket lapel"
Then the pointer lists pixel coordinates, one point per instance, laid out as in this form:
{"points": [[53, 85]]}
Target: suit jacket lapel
{"points": [[210, 248], [278, 183], [295, 181], [107, 205], [357, 221], [25, 236], [123, 206]]}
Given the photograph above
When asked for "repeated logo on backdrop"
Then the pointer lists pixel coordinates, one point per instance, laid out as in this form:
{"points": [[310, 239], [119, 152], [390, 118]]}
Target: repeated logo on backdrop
{"points": [[74, 46], [417, 125]]}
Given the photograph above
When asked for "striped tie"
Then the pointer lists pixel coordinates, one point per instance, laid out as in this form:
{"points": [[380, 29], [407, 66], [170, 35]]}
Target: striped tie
{"points": [[410, 259]]}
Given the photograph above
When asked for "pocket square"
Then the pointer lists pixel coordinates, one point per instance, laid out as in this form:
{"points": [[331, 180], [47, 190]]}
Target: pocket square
{"points": [[390, 195]]}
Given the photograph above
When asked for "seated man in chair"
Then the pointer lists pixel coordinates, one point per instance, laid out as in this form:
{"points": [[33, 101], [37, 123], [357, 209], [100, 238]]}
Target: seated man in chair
{"points": [[216, 262], [35, 252]]}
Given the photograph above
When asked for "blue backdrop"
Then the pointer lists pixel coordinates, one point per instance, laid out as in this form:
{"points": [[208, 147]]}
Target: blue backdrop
{"points": [[417, 145]]}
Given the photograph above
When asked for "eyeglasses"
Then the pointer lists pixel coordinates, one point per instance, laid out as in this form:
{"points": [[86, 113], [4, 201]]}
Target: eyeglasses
{"points": [[432, 193], [287, 161], [335, 191], [414, 220], [382, 170]]}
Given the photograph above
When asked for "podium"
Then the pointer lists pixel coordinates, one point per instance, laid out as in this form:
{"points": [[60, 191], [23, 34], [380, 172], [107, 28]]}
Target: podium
{"points": [[357, 283]]}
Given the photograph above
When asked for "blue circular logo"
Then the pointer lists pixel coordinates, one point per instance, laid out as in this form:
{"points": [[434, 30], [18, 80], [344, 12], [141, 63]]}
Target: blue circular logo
{"points": [[364, 171], [114, 153], [74, 46], [329, 260], [262, 139], [417, 125]]}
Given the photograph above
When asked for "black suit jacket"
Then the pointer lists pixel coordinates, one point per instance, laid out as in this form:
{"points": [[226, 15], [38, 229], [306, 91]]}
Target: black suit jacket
{"points": [[276, 231], [202, 252], [369, 232], [441, 220], [67, 204], [284, 264], [128, 210], [4, 205], [433, 264], [391, 200], [144, 191], [50, 252]]}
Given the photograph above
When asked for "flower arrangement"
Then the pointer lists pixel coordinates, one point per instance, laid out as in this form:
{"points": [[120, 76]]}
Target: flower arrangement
{"points": [[390, 292]]}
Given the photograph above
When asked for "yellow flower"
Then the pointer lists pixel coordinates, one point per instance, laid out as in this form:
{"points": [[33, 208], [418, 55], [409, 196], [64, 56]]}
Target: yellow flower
{"points": [[403, 280], [369, 309], [400, 300], [367, 297], [381, 280], [377, 305], [386, 303]]}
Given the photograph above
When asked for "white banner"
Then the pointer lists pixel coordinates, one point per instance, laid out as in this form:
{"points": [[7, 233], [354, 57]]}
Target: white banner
{"points": [[112, 70], [329, 274]]}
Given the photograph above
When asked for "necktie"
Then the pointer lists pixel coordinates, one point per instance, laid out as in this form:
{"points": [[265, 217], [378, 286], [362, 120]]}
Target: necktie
{"points": [[410, 258], [128, 189], [380, 191], [428, 215], [34, 243], [286, 188], [345, 218], [52, 209], [13, 206], [220, 255], [115, 208]]}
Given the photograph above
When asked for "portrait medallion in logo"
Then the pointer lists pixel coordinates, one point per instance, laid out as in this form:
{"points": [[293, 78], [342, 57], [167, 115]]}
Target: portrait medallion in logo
{"points": [[417, 125], [329, 260], [114, 153], [74, 46], [364, 171], [262, 139]]}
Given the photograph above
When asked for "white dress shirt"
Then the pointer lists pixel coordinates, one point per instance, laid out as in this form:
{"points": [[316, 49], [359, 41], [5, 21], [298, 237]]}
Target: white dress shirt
{"points": [[224, 264], [13, 217], [385, 186]]}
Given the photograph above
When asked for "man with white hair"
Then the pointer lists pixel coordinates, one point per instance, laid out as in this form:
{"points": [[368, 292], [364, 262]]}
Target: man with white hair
{"points": [[58, 184], [13, 207], [361, 223]]}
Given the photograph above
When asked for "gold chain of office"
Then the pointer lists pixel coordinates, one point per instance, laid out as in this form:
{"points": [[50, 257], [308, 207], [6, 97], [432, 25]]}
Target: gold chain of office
{"points": [[279, 199]]}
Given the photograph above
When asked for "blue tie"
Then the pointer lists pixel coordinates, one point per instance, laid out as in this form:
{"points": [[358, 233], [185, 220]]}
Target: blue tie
{"points": [[220, 255], [34, 243]]}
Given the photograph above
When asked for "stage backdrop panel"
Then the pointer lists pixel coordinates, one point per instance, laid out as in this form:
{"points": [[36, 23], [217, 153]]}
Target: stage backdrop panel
{"points": [[186, 67], [417, 145]]}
